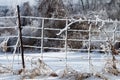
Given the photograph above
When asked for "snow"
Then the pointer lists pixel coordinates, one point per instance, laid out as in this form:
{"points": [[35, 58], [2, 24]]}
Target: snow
{"points": [[56, 62]]}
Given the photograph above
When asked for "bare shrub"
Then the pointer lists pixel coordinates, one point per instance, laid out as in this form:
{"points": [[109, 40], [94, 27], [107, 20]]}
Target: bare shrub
{"points": [[110, 65]]}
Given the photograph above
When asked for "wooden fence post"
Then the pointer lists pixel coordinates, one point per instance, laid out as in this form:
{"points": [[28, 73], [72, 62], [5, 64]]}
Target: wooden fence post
{"points": [[20, 37]]}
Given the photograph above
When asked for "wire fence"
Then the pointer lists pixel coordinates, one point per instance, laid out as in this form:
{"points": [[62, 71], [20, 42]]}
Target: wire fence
{"points": [[93, 32]]}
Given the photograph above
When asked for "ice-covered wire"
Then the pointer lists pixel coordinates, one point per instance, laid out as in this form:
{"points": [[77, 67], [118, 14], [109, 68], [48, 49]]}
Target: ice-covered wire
{"points": [[15, 48], [67, 26], [97, 19], [101, 27], [8, 17]]}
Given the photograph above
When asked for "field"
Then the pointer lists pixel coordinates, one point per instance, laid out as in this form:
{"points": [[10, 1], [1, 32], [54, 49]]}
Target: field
{"points": [[55, 66]]}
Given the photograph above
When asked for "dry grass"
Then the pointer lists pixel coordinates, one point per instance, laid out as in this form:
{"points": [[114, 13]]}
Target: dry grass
{"points": [[53, 74], [71, 74], [3, 45], [4, 69], [41, 69], [81, 76], [101, 76], [110, 67]]}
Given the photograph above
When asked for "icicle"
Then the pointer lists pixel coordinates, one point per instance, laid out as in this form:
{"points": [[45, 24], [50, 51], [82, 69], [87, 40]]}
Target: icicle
{"points": [[89, 21], [101, 27], [72, 19], [96, 22], [80, 20]]}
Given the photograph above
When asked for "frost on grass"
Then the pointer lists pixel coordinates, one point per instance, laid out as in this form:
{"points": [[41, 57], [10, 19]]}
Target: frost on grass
{"points": [[4, 69], [111, 66], [71, 74], [40, 69], [3, 45]]}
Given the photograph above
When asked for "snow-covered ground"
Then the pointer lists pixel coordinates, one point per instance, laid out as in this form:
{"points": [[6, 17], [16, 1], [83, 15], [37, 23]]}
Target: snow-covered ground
{"points": [[56, 62]]}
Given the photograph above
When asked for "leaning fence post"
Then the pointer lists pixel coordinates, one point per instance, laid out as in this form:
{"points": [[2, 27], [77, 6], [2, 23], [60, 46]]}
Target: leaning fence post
{"points": [[20, 37]]}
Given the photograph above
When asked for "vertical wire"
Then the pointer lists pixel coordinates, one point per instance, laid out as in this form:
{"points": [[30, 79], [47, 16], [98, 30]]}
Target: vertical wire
{"points": [[89, 46], [42, 38], [66, 39], [114, 33], [17, 42]]}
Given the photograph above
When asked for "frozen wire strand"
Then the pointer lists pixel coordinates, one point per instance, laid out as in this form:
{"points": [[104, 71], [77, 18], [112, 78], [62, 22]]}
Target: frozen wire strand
{"points": [[15, 48], [77, 40], [31, 37], [6, 39], [82, 20], [30, 27], [66, 43], [8, 36], [78, 30], [97, 19], [55, 29], [31, 46], [12, 27], [115, 24], [60, 57], [59, 39], [68, 30], [18, 54], [89, 48], [106, 35], [72, 57], [8, 17], [101, 27], [39, 47], [59, 48], [11, 46], [31, 17], [42, 39]]}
